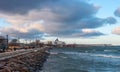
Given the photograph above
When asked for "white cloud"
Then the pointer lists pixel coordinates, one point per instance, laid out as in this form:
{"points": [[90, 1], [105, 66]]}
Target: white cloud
{"points": [[88, 30], [116, 31]]}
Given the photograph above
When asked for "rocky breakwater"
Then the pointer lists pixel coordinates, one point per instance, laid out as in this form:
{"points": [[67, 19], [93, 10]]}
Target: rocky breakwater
{"points": [[29, 60]]}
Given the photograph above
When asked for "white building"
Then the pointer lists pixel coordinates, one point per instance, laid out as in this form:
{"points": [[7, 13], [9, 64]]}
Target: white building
{"points": [[59, 43]]}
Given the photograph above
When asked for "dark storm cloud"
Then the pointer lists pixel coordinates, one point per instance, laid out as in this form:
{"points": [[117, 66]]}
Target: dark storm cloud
{"points": [[73, 10], [62, 17], [96, 22], [117, 12], [77, 15], [91, 22], [57, 6], [92, 34], [80, 33], [73, 29], [110, 20], [20, 6]]}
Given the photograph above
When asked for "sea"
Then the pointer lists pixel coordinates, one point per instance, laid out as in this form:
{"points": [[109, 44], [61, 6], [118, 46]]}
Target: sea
{"points": [[86, 59]]}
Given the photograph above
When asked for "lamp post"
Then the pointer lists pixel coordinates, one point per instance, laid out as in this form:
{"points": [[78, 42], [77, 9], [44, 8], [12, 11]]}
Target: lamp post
{"points": [[7, 42]]}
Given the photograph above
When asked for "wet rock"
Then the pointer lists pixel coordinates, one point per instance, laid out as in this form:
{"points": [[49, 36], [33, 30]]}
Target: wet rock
{"points": [[30, 62]]}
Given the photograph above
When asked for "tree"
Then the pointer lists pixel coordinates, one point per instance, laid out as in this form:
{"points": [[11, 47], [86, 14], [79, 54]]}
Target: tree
{"points": [[14, 41]]}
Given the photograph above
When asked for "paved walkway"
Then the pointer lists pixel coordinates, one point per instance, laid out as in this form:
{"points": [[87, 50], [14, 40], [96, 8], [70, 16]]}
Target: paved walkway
{"points": [[7, 55]]}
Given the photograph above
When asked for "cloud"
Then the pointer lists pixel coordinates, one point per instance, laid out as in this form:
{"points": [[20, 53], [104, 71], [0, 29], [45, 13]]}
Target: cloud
{"points": [[86, 33], [117, 12], [116, 31], [110, 20], [53, 17], [21, 6], [31, 34], [91, 32], [24, 31]]}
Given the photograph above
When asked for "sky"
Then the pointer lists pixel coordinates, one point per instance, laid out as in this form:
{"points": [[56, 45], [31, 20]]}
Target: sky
{"points": [[72, 21]]}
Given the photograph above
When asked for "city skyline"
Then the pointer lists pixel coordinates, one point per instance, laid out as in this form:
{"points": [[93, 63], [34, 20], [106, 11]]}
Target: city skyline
{"points": [[72, 21]]}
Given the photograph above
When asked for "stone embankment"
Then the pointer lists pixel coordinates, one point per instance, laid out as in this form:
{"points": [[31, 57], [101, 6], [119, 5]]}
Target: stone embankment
{"points": [[29, 60]]}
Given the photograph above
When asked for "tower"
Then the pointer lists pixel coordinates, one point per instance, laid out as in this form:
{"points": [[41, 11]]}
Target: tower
{"points": [[56, 41]]}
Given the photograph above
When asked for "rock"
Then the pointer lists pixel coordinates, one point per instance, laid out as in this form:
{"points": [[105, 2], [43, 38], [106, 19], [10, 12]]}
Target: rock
{"points": [[29, 62], [1, 66], [5, 69]]}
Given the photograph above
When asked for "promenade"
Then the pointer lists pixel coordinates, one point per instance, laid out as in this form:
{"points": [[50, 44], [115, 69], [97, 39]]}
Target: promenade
{"points": [[25, 60], [7, 55]]}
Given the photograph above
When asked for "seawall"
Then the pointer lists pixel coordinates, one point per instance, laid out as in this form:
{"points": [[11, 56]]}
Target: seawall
{"points": [[29, 60]]}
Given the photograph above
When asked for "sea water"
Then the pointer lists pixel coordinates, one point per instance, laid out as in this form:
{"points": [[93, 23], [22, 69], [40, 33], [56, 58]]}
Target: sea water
{"points": [[87, 59]]}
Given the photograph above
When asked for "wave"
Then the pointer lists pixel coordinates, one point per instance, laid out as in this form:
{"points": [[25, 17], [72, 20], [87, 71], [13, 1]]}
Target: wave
{"points": [[110, 50], [77, 53], [106, 56], [53, 53], [92, 54]]}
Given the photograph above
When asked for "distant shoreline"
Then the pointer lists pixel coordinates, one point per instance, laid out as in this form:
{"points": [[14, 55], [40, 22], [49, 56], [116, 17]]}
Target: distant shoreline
{"points": [[85, 46]]}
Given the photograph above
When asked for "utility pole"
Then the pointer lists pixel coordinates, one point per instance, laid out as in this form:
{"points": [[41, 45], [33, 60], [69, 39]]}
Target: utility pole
{"points": [[7, 42]]}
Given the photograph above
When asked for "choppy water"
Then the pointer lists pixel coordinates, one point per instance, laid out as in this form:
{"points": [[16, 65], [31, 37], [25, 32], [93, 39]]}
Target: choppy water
{"points": [[94, 59]]}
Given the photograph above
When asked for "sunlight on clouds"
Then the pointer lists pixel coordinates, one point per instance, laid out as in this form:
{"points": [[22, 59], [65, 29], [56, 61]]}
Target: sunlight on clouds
{"points": [[116, 31], [88, 30], [60, 18]]}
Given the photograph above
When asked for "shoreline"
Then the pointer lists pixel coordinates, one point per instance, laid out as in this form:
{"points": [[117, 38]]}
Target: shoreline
{"points": [[25, 61]]}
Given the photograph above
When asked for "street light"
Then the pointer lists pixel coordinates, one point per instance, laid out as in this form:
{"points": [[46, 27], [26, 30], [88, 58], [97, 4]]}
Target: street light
{"points": [[7, 41]]}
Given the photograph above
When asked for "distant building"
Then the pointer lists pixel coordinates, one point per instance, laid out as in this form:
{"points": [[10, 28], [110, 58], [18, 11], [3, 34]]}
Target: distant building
{"points": [[49, 43], [3, 43], [59, 43], [2, 39]]}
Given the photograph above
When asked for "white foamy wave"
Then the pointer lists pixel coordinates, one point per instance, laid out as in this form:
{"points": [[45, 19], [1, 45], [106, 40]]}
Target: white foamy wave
{"points": [[63, 57], [76, 53], [53, 53], [92, 54], [70, 52], [106, 56], [110, 50]]}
